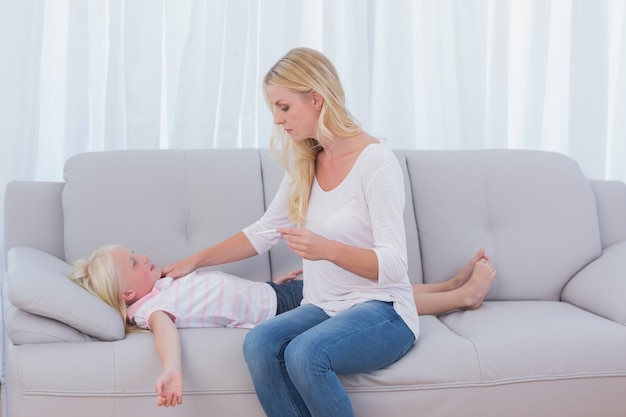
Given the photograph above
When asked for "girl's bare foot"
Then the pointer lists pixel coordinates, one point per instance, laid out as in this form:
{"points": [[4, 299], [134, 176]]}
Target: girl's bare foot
{"points": [[466, 272], [477, 286]]}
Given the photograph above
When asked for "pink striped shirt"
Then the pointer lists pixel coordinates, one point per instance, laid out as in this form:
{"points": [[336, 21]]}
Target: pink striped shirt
{"points": [[207, 299]]}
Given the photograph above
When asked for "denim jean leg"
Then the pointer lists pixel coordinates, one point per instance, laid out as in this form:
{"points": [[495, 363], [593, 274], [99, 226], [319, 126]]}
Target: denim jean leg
{"points": [[366, 337], [263, 350], [288, 295]]}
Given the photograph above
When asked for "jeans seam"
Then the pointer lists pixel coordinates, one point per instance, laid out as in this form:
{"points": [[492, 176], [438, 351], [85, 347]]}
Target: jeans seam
{"points": [[286, 377]]}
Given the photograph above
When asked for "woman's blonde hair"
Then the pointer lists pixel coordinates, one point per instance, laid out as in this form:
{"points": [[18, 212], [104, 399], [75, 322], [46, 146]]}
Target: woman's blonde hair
{"points": [[98, 275], [303, 70]]}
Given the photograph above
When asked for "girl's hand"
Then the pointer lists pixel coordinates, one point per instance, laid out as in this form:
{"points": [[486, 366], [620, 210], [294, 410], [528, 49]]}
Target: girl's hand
{"points": [[283, 279], [305, 243], [169, 388]]}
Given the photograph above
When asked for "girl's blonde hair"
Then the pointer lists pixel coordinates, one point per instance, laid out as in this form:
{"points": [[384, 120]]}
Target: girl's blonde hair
{"points": [[303, 70], [98, 275]]}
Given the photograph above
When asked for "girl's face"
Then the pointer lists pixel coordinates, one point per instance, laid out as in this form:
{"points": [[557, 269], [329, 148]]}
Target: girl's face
{"points": [[297, 113], [137, 273]]}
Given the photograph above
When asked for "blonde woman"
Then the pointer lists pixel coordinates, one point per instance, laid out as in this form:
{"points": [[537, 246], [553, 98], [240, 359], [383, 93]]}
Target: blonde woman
{"points": [[340, 208]]}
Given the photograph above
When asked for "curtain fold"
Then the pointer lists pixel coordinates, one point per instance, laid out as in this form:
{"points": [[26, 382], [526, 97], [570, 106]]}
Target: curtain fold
{"points": [[616, 142]]}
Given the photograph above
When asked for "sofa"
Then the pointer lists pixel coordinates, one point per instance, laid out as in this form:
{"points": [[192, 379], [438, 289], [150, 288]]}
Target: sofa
{"points": [[549, 340]]}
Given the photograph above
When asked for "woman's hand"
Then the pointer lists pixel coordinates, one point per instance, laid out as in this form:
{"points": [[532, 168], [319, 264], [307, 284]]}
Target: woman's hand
{"points": [[180, 268], [306, 244], [314, 247]]}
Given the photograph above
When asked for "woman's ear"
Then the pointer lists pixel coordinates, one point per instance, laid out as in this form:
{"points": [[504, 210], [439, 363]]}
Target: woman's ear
{"points": [[318, 100]]}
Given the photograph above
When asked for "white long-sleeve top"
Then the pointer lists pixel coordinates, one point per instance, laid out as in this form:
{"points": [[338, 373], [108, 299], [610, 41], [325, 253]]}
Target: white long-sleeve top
{"points": [[365, 210]]}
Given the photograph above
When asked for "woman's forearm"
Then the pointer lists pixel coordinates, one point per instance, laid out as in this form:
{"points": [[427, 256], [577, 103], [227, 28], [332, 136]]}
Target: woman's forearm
{"points": [[362, 262], [235, 248]]}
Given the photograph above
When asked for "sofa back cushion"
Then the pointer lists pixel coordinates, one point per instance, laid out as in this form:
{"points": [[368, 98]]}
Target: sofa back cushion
{"points": [[533, 212], [167, 204]]}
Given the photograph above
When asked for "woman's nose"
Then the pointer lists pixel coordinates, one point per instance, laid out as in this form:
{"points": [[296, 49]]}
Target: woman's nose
{"points": [[278, 119]]}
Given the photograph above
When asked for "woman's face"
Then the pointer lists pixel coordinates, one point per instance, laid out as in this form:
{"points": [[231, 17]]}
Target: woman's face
{"points": [[137, 273], [297, 113]]}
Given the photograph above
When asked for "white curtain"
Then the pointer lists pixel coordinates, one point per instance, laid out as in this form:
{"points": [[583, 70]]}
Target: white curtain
{"points": [[80, 75]]}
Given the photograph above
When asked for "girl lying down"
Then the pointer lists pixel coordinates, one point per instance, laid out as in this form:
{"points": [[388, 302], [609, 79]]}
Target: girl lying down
{"points": [[136, 288]]}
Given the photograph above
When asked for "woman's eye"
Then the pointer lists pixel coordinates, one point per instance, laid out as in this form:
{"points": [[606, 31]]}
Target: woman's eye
{"points": [[284, 109]]}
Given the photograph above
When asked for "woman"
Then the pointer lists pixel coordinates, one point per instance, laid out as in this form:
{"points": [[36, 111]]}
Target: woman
{"points": [[340, 208]]}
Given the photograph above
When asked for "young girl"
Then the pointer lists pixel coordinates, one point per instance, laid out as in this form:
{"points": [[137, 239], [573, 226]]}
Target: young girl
{"points": [[134, 287], [145, 299]]}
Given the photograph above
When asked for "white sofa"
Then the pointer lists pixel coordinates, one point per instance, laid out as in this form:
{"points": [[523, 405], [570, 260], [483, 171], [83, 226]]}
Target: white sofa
{"points": [[549, 341]]}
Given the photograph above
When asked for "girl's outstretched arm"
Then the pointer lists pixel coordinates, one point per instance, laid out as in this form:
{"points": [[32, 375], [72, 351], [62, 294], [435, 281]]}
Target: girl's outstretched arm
{"points": [[169, 385]]}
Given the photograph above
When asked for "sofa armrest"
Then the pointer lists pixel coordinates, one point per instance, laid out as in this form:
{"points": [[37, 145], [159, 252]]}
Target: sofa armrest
{"points": [[600, 287], [611, 204]]}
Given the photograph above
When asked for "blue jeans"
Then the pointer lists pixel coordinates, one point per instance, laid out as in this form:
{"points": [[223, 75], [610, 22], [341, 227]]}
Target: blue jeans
{"points": [[294, 358], [288, 295]]}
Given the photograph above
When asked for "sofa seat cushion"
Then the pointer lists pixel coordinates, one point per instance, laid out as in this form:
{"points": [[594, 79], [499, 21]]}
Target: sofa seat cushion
{"points": [[38, 283], [528, 344], [489, 370], [212, 363], [517, 341]]}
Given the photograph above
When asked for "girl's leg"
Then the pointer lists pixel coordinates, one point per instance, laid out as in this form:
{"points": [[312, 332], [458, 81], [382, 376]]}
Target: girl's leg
{"points": [[288, 295], [468, 296], [456, 281], [366, 337], [264, 349]]}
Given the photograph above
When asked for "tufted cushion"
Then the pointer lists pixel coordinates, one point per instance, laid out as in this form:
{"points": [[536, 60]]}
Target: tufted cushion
{"points": [[533, 212]]}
